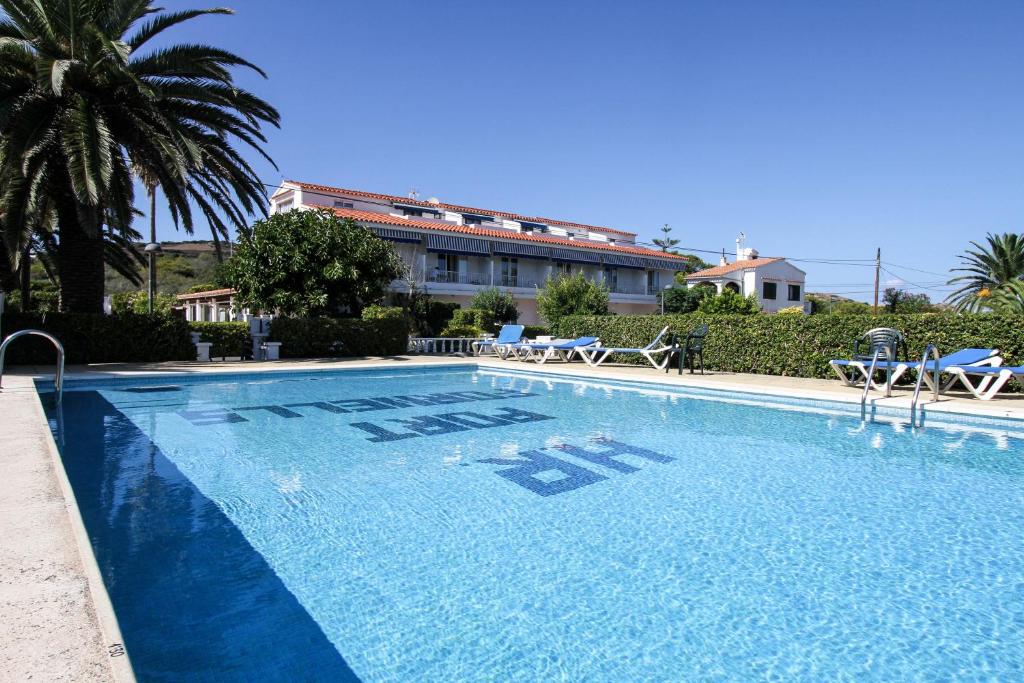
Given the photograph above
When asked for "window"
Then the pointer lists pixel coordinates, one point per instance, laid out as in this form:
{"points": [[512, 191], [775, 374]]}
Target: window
{"points": [[794, 292], [563, 269], [448, 263], [338, 204], [284, 206], [768, 290], [611, 278], [509, 272], [653, 281]]}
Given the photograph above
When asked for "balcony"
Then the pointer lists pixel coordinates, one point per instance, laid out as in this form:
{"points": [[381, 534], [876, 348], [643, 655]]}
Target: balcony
{"points": [[618, 288], [515, 281], [453, 277]]}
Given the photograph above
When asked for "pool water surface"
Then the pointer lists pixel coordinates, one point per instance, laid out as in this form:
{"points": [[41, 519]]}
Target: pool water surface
{"points": [[472, 525]]}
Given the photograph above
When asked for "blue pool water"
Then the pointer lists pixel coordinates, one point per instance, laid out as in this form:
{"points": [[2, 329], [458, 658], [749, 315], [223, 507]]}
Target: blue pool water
{"points": [[461, 525]]}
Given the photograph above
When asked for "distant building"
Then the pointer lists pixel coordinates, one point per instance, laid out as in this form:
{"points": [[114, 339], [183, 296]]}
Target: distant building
{"points": [[454, 251], [776, 282]]}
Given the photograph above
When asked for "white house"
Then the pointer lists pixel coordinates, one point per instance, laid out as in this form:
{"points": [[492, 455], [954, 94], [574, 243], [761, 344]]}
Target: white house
{"points": [[777, 283], [454, 251]]}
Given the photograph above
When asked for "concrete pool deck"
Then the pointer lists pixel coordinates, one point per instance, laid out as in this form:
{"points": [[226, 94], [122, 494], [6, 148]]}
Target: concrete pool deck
{"points": [[58, 621]]}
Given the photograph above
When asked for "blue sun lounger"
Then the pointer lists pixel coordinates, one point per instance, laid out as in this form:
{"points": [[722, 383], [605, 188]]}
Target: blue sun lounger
{"points": [[543, 352], [993, 378], [595, 355], [963, 357], [508, 335]]}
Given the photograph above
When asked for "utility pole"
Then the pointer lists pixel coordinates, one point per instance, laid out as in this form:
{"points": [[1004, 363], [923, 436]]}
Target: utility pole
{"points": [[878, 268]]}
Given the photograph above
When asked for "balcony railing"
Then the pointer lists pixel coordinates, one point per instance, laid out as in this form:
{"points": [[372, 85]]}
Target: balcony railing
{"points": [[515, 281], [625, 289], [456, 278]]}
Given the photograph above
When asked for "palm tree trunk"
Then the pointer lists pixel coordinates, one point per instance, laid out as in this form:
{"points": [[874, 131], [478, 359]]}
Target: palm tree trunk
{"points": [[79, 263]]}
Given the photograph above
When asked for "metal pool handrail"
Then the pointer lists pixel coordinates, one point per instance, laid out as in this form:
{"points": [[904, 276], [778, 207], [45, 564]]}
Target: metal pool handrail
{"points": [[58, 380], [931, 348], [871, 374]]}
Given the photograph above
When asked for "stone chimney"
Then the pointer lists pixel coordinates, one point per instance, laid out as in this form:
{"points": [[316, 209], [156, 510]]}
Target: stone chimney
{"points": [[723, 261]]}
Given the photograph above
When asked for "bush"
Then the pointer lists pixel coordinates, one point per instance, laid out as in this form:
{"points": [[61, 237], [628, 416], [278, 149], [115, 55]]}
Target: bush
{"points": [[383, 313], [728, 302], [457, 331], [801, 346], [791, 310], [426, 317], [499, 305], [228, 338], [534, 331], [685, 299], [571, 295], [338, 337], [138, 302], [472, 317], [95, 338]]}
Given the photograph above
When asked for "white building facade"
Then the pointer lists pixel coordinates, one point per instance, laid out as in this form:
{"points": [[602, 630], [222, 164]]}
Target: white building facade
{"points": [[454, 251], [776, 282]]}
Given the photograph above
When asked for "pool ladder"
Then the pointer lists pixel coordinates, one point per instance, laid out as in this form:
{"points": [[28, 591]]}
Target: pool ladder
{"points": [[58, 380], [871, 373], [934, 351]]}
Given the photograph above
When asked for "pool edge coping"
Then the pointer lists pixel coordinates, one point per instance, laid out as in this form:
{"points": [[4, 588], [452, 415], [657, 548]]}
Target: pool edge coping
{"points": [[110, 629]]}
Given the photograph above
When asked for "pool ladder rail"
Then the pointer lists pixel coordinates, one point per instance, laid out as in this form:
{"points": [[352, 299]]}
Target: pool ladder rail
{"points": [[58, 380], [871, 374], [922, 371]]}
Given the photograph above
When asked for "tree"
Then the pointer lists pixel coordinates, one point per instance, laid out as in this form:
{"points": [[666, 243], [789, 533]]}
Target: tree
{"points": [[691, 265], [87, 107], [571, 295], [987, 269], [902, 301], [311, 263], [665, 242], [500, 306], [1007, 300], [730, 301], [685, 299]]}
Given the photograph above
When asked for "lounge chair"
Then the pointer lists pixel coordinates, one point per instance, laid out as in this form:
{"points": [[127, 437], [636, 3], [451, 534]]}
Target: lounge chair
{"points": [[543, 352], [509, 334], [961, 358], [596, 355], [993, 378], [864, 350]]}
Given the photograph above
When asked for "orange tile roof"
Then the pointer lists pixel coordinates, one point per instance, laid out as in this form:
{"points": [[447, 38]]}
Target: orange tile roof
{"points": [[388, 219], [456, 207], [730, 267], [203, 295]]}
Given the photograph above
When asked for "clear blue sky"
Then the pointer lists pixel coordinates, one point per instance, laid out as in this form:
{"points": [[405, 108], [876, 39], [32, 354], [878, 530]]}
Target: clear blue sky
{"points": [[820, 129]]}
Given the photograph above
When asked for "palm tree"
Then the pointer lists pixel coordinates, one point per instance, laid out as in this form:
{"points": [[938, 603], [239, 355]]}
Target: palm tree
{"points": [[987, 270], [84, 109]]}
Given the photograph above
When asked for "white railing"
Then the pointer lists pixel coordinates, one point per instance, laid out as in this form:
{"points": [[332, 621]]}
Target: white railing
{"points": [[456, 278], [441, 345]]}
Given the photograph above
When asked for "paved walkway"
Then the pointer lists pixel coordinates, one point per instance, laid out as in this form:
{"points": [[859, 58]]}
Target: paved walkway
{"points": [[57, 623]]}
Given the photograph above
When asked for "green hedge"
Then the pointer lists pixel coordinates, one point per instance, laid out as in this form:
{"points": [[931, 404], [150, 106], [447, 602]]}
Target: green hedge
{"points": [[124, 338], [802, 346], [534, 331], [228, 338], [335, 337]]}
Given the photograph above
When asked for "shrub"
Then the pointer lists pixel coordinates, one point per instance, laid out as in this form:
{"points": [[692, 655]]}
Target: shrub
{"points": [[383, 313], [791, 310], [337, 337], [228, 338], [455, 331], [728, 302], [138, 302], [499, 305], [801, 346], [685, 299], [472, 317], [96, 338], [571, 295], [426, 317], [534, 331]]}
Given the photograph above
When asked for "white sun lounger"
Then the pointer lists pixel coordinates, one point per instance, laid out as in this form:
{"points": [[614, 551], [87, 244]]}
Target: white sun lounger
{"points": [[596, 355], [543, 352], [993, 378]]}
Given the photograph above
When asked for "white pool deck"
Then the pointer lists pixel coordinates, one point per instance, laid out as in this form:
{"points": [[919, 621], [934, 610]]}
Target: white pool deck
{"points": [[57, 620]]}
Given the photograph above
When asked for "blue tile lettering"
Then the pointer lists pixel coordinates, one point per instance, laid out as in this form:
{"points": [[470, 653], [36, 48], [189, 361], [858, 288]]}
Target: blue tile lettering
{"points": [[528, 464], [606, 457], [380, 434]]}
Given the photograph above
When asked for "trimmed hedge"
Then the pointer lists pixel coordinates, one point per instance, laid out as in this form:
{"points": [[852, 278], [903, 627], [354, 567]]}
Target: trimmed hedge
{"points": [[89, 338], [228, 338], [337, 337], [802, 346]]}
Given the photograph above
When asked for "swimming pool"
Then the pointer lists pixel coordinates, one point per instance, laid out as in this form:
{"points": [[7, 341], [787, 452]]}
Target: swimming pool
{"points": [[466, 524]]}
